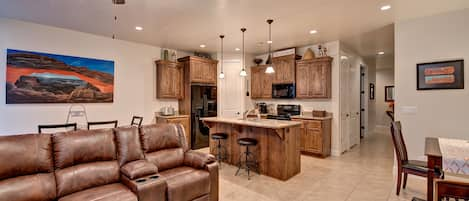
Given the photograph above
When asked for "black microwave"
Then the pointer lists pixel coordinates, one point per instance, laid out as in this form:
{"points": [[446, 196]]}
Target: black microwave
{"points": [[283, 91]]}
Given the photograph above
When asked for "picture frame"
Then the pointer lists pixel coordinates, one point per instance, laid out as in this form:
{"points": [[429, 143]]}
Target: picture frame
{"points": [[389, 93], [440, 75], [372, 91]]}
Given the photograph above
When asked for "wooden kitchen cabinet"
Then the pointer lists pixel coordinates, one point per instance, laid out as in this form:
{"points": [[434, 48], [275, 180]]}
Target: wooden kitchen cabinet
{"points": [[169, 80], [184, 120], [201, 70], [313, 78], [315, 138], [261, 83], [284, 67]]}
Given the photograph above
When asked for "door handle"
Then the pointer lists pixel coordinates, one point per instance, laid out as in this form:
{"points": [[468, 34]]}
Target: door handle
{"points": [[347, 115], [238, 113]]}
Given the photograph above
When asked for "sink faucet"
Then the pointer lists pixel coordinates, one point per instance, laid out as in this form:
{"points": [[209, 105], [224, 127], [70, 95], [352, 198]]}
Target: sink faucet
{"points": [[256, 111]]}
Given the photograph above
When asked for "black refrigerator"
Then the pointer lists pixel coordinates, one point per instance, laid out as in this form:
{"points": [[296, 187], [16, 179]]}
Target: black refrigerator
{"points": [[203, 104]]}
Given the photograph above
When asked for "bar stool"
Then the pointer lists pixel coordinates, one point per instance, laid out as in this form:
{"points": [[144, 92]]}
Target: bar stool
{"points": [[250, 161], [221, 150]]}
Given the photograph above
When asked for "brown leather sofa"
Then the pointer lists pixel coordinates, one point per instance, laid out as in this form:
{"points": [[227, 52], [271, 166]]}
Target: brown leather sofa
{"points": [[106, 164], [189, 175]]}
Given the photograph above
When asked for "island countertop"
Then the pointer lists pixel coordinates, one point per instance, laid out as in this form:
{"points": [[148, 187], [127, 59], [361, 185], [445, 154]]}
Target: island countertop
{"points": [[261, 123]]}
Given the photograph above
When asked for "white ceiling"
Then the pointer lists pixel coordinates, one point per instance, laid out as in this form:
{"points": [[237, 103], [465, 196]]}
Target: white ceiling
{"points": [[185, 24]]}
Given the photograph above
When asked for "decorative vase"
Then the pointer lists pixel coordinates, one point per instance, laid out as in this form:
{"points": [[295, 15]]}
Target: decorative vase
{"points": [[309, 54], [257, 61]]}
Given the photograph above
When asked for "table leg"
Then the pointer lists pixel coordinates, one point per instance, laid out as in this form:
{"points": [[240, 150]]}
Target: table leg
{"points": [[432, 163]]}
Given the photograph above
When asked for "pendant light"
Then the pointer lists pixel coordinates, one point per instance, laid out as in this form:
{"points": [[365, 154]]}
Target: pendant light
{"points": [[222, 75], [270, 68], [243, 71]]}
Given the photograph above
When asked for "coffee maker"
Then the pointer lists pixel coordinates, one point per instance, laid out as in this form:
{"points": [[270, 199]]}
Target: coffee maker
{"points": [[262, 108]]}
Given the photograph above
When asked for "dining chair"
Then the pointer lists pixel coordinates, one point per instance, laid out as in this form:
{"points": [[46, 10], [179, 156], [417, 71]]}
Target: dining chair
{"points": [[57, 126], [136, 121], [404, 165], [102, 123]]}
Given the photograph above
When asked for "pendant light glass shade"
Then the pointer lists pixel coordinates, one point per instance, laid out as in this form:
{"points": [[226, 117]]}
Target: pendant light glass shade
{"points": [[243, 72], [222, 75], [270, 68]]}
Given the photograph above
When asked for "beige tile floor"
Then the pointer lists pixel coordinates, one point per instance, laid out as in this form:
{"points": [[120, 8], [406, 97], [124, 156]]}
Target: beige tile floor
{"points": [[362, 174]]}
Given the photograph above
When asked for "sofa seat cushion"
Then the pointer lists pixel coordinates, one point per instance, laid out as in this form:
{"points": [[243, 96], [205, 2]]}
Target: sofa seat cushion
{"points": [[37, 187], [110, 192], [186, 183]]}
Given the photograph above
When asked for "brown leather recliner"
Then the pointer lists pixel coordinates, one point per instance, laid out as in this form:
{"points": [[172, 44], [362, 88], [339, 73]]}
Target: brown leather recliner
{"points": [[189, 175], [27, 168], [87, 168]]}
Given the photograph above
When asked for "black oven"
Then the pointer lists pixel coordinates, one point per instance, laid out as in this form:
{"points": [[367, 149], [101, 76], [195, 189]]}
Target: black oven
{"points": [[283, 91]]}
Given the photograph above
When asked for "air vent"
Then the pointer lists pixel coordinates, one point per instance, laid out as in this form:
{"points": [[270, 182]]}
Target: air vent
{"points": [[118, 2]]}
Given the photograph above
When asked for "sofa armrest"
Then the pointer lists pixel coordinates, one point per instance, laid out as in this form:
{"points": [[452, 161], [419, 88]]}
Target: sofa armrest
{"points": [[149, 188], [212, 168], [139, 168], [197, 159]]}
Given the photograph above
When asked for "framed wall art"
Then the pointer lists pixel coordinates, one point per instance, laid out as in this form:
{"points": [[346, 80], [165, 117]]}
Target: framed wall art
{"points": [[372, 91], [34, 77], [440, 75]]}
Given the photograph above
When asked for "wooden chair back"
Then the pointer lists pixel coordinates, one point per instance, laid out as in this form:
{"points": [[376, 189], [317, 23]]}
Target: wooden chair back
{"points": [[398, 140], [452, 190], [102, 123], [136, 121], [57, 126]]}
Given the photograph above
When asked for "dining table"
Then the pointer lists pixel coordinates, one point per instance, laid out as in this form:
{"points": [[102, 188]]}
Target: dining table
{"points": [[448, 155]]}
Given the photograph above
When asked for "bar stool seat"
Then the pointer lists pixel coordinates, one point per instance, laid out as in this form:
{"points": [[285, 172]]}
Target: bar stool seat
{"points": [[250, 161], [247, 141], [219, 136]]}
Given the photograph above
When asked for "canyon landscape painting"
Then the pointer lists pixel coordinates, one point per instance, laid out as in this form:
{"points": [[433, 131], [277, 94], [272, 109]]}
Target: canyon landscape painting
{"points": [[33, 77]]}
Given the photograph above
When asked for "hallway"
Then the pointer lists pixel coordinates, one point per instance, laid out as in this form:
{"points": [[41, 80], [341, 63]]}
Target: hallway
{"points": [[365, 173]]}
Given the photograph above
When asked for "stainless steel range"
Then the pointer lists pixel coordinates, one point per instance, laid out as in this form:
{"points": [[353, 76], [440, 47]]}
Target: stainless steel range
{"points": [[284, 112]]}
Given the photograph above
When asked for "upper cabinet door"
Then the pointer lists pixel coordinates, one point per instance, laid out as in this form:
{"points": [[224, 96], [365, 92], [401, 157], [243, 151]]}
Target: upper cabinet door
{"points": [[313, 78], [302, 80], [201, 70], [284, 69], [169, 80]]}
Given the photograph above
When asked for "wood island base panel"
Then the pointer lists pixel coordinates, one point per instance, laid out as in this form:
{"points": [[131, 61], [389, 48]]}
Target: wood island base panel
{"points": [[277, 151]]}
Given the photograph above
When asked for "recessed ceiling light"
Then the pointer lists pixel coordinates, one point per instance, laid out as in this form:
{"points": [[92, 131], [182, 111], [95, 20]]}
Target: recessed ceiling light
{"points": [[313, 32], [380, 53], [237, 49], [138, 28], [385, 7], [203, 46]]}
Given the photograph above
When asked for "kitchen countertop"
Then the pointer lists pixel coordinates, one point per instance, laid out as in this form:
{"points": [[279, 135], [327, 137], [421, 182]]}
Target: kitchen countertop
{"points": [[261, 123], [306, 116], [159, 115]]}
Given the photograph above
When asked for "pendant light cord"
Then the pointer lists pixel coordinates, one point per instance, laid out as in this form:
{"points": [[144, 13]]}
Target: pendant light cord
{"points": [[221, 37], [243, 30]]}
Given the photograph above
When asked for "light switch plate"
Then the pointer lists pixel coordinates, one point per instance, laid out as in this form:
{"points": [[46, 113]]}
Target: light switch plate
{"points": [[409, 110]]}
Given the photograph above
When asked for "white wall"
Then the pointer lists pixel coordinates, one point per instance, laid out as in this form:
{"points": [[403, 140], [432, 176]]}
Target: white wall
{"points": [[384, 77], [439, 113], [135, 76]]}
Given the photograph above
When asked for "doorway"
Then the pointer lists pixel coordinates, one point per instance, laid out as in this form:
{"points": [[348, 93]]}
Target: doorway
{"points": [[231, 90]]}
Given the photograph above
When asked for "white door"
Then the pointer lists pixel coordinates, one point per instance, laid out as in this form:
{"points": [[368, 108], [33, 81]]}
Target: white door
{"points": [[354, 101], [231, 90], [344, 105]]}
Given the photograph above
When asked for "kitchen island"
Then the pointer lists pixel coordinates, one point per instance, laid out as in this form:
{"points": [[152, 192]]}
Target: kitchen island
{"points": [[278, 150]]}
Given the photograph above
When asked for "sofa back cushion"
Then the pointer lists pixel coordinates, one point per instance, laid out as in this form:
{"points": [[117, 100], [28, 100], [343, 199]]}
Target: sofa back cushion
{"points": [[84, 159], [25, 154], [26, 170], [129, 147], [77, 147], [162, 145]]}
